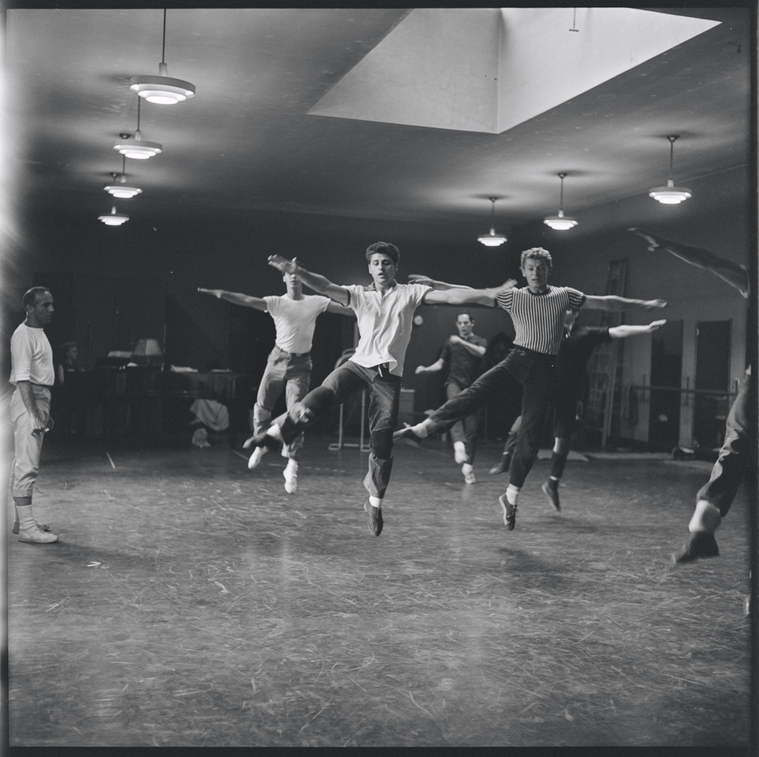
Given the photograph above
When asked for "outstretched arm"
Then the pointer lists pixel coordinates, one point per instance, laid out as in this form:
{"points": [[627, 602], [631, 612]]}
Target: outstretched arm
{"points": [[439, 286], [612, 302], [460, 296], [436, 366], [334, 307], [732, 273], [236, 298], [475, 349], [315, 281], [622, 332]]}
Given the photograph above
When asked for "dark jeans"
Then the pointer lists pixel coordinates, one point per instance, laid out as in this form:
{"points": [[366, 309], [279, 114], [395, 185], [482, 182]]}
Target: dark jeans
{"points": [[728, 471], [525, 371], [464, 430], [384, 399]]}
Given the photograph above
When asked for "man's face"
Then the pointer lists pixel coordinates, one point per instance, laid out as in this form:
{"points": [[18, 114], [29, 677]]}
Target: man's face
{"points": [[464, 324], [536, 272], [293, 283], [382, 269], [41, 313]]}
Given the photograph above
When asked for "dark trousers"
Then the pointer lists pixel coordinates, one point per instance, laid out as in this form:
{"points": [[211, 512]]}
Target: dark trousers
{"points": [[464, 430], [525, 371], [727, 472], [384, 400]]}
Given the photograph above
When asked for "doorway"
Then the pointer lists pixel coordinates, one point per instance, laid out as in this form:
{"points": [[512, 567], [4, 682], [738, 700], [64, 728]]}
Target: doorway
{"points": [[666, 373], [712, 378]]}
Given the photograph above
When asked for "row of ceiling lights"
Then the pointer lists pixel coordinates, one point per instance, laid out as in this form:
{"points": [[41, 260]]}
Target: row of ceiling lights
{"points": [[668, 195], [161, 90]]}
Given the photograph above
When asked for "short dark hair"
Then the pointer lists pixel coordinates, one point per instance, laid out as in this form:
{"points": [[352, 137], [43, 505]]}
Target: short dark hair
{"points": [[464, 312], [30, 296], [385, 248], [538, 253]]}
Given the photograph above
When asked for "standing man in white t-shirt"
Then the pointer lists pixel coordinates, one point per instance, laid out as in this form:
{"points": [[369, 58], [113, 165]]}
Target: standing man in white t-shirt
{"points": [[33, 374], [385, 311], [288, 367]]}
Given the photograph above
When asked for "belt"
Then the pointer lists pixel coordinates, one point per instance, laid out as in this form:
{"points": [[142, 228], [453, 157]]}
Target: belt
{"points": [[533, 353], [293, 354]]}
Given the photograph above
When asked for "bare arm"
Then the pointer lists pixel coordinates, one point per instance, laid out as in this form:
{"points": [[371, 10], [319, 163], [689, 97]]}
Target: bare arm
{"points": [[622, 332], [60, 374], [439, 286], [27, 396], [315, 281], [334, 307], [436, 366], [236, 298], [612, 302], [475, 349], [460, 296], [732, 273]]}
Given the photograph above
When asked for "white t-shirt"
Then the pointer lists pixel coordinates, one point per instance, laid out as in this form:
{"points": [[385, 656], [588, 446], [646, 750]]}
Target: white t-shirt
{"points": [[295, 320], [31, 356], [384, 323]]}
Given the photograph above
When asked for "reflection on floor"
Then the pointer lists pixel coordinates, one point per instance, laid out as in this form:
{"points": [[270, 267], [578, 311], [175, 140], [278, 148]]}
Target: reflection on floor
{"points": [[192, 602]]}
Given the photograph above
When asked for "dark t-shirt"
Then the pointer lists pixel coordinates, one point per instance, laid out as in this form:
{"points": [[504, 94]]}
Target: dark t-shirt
{"points": [[463, 366]]}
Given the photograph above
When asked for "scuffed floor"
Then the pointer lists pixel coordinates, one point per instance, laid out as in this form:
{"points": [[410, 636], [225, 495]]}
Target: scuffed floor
{"points": [[191, 602]]}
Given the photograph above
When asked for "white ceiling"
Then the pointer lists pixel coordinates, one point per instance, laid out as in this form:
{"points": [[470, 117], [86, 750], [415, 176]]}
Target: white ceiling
{"points": [[416, 115]]}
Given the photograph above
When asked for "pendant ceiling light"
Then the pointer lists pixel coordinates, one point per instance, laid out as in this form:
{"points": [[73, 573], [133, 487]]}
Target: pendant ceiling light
{"points": [[118, 187], [162, 89], [136, 147], [492, 239], [670, 195], [560, 222], [113, 218]]}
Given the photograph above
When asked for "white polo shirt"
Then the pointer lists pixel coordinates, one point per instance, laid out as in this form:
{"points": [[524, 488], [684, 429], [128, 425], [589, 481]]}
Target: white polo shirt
{"points": [[295, 320], [384, 323]]}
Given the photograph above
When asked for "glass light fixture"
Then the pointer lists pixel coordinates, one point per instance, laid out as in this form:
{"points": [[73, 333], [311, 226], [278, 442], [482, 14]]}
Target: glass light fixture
{"points": [[560, 222], [492, 239], [118, 187], [137, 148], [113, 218], [670, 195], [162, 89]]}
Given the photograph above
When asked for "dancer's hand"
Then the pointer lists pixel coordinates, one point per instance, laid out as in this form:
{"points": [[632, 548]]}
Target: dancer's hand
{"points": [[282, 264], [213, 292], [653, 304]]}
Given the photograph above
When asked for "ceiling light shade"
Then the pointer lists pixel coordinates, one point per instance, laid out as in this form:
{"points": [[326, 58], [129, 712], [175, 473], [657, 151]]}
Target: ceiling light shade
{"points": [[113, 218], [670, 195], [560, 222], [137, 147], [162, 89], [122, 191], [492, 239]]}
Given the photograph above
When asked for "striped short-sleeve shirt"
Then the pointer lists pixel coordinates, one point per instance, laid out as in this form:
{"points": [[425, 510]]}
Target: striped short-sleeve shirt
{"points": [[539, 318]]}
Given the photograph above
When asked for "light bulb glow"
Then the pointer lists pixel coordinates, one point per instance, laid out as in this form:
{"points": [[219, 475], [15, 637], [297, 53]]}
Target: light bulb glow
{"points": [[492, 239], [138, 149], [670, 195], [122, 191], [162, 90], [560, 222]]}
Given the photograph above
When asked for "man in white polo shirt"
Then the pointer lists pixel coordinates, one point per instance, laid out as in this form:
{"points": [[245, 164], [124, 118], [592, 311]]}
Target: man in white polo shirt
{"points": [[385, 311], [288, 368], [33, 374]]}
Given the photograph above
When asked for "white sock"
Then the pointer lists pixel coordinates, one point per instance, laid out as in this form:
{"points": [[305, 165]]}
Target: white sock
{"points": [[706, 517], [275, 431], [467, 468], [26, 519], [292, 466], [511, 494], [422, 429], [375, 502]]}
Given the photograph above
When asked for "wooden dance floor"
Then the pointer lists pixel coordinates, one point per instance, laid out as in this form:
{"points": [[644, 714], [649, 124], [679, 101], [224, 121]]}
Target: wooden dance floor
{"points": [[192, 602]]}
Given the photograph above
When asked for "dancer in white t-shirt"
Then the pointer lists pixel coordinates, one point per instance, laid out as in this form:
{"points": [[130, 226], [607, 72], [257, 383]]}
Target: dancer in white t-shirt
{"points": [[288, 368]]}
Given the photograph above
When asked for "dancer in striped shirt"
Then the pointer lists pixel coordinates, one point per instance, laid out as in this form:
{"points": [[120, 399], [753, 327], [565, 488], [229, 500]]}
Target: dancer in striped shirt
{"points": [[537, 311]]}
